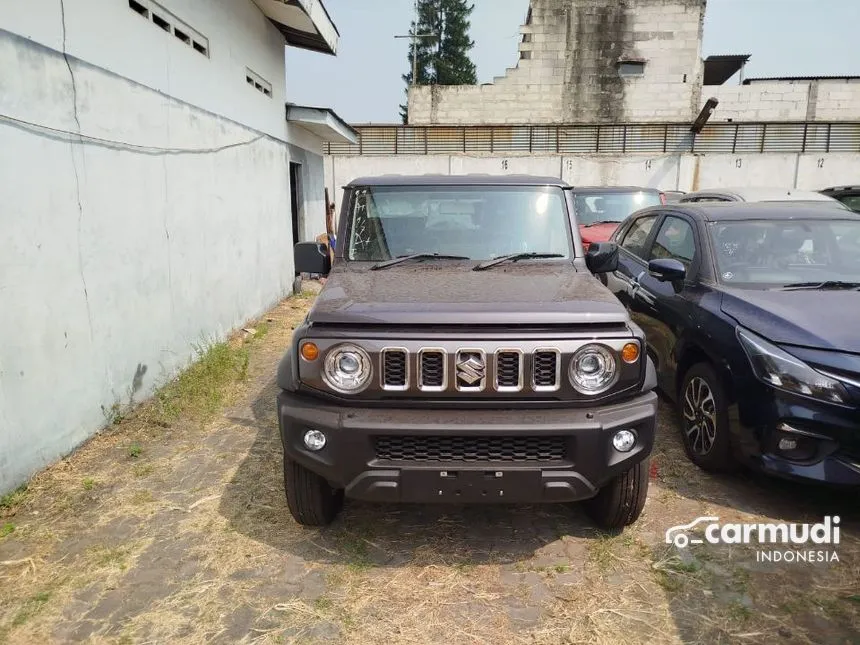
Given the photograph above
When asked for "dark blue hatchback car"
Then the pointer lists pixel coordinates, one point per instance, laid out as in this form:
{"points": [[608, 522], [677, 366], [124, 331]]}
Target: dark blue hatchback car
{"points": [[752, 315]]}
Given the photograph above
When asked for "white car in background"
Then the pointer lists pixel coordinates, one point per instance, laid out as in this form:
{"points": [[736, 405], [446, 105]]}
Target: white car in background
{"points": [[763, 194]]}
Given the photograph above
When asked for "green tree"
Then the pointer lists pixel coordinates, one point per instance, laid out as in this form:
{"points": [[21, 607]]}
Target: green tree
{"points": [[442, 59]]}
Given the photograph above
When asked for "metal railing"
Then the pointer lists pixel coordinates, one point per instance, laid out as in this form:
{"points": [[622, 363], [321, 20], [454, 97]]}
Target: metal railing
{"points": [[603, 139]]}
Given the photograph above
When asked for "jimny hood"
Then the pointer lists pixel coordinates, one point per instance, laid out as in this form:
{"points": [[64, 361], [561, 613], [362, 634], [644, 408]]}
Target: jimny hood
{"points": [[452, 294]]}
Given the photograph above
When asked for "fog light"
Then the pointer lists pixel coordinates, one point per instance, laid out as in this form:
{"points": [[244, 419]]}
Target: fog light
{"points": [[788, 444], [314, 440], [624, 440]]}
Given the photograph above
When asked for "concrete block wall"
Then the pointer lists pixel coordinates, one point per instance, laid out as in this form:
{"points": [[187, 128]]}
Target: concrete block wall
{"points": [[802, 100], [668, 36], [774, 101], [837, 100], [529, 92], [568, 72]]}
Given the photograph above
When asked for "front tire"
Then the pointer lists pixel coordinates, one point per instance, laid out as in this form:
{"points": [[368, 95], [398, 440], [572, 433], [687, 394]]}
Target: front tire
{"points": [[705, 419], [620, 502], [310, 498]]}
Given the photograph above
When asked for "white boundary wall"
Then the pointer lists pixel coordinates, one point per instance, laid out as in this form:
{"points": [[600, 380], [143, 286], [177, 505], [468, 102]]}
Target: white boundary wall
{"points": [[668, 172]]}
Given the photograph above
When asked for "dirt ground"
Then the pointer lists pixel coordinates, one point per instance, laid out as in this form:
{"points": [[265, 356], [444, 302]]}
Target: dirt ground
{"points": [[178, 532]]}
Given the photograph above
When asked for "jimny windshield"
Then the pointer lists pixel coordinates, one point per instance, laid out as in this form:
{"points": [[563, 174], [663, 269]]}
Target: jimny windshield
{"points": [[473, 222]]}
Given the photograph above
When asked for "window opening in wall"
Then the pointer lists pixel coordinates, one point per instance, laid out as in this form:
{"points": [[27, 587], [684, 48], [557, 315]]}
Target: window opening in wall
{"points": [[139, 8], [161, 22], [631, 68], [258, 82], [181, 35], [166, 21]]}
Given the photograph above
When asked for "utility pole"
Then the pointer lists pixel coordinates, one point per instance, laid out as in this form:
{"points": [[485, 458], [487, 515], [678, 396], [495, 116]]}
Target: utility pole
{"points": [[415, 37]]}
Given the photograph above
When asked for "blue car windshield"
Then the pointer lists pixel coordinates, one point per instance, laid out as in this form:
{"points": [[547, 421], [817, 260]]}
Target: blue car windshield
{"points": [[776, 253], [474, 222]]}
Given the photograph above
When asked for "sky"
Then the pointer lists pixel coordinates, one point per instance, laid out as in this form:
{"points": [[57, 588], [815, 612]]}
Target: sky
{"points": [[363, 82]]}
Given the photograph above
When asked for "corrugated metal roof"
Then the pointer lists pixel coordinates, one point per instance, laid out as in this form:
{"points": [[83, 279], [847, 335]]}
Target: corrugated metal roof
{"points": [[720, 68], [762, 79]]}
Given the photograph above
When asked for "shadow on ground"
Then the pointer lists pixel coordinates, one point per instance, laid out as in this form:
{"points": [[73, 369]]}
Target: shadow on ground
{"points": [[384, 534], [747, 490]]}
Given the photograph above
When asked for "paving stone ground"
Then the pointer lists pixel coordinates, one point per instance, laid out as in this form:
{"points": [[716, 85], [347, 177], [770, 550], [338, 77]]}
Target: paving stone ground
{"points": [[190, 541]]}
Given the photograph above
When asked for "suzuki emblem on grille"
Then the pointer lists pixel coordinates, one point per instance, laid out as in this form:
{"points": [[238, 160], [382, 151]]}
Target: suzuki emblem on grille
{"points": [[471, 370]]}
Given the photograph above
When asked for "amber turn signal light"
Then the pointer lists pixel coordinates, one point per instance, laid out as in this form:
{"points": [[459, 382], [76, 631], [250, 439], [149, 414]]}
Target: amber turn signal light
{"points": [[630, 353], [310, 352]]}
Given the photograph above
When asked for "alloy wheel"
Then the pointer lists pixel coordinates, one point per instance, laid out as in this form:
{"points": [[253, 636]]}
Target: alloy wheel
{"points": [[700, 416]]}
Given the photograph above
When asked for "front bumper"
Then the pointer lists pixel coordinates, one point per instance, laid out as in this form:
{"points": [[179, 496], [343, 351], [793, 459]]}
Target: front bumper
{"points": [[350, 458], [827, 438]]}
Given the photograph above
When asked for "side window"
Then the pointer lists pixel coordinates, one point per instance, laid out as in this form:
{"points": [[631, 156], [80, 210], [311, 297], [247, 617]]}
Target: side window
{"points": [[637, 235], [675, 240]]}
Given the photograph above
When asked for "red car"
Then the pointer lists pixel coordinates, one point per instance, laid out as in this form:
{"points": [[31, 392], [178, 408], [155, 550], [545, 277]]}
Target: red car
{"points": [[600, 209]]}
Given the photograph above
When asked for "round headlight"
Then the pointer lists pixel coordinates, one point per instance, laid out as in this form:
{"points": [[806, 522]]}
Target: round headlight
{"points": [[593, 369], [347, 369]]}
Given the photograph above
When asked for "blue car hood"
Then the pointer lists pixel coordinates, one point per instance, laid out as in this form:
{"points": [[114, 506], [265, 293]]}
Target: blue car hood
{"points": [[827, 320]]}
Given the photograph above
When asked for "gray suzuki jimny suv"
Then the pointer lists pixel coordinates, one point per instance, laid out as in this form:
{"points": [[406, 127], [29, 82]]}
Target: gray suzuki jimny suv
{"points": [[462, 350]]}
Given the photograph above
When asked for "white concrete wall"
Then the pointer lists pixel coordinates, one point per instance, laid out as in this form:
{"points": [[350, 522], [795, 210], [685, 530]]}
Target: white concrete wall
{"points": [[108, 34], [116, 258], [821, 100], [685, 172]]}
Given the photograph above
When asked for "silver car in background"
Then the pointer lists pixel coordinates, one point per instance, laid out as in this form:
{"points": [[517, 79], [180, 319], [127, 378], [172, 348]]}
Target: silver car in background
{"points": [[758, 194]]}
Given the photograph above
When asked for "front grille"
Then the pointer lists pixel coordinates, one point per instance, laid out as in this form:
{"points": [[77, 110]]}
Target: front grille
{"points": [[546, 369], [471, 449], [508, 370], [432, 366], [394, 369]]}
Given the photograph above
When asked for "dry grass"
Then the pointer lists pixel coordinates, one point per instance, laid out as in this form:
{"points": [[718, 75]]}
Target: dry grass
{"points": [[171, 526]]}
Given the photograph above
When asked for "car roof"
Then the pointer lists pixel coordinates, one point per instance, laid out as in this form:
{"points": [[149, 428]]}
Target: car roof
{"points": [[723, 211], [457, 180], [763, 193], [839, 189], [614, 189]]}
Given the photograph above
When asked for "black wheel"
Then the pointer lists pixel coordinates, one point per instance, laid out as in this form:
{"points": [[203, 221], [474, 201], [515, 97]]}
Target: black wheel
{"points": [[620, 502], [312, 502], [705, 419]]}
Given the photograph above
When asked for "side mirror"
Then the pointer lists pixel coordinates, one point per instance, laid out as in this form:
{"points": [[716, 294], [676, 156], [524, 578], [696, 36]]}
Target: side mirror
{"points": [[667, 270], [602, 257], [312, 257]]}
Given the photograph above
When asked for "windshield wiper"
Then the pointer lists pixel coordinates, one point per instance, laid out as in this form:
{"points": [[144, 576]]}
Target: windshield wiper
{"points": [[514, 257], [828, 284], [603, 221], [416, 256]]}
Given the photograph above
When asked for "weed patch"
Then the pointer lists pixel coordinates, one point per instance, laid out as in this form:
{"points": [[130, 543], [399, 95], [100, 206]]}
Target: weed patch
{"points": [[202, 388], [142, 470], [11, 501], [7, 529], [31, 607], [114, 414]]}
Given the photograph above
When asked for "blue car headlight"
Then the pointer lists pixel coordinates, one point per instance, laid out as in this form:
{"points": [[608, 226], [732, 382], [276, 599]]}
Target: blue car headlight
{"points": [[780, 369]]}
